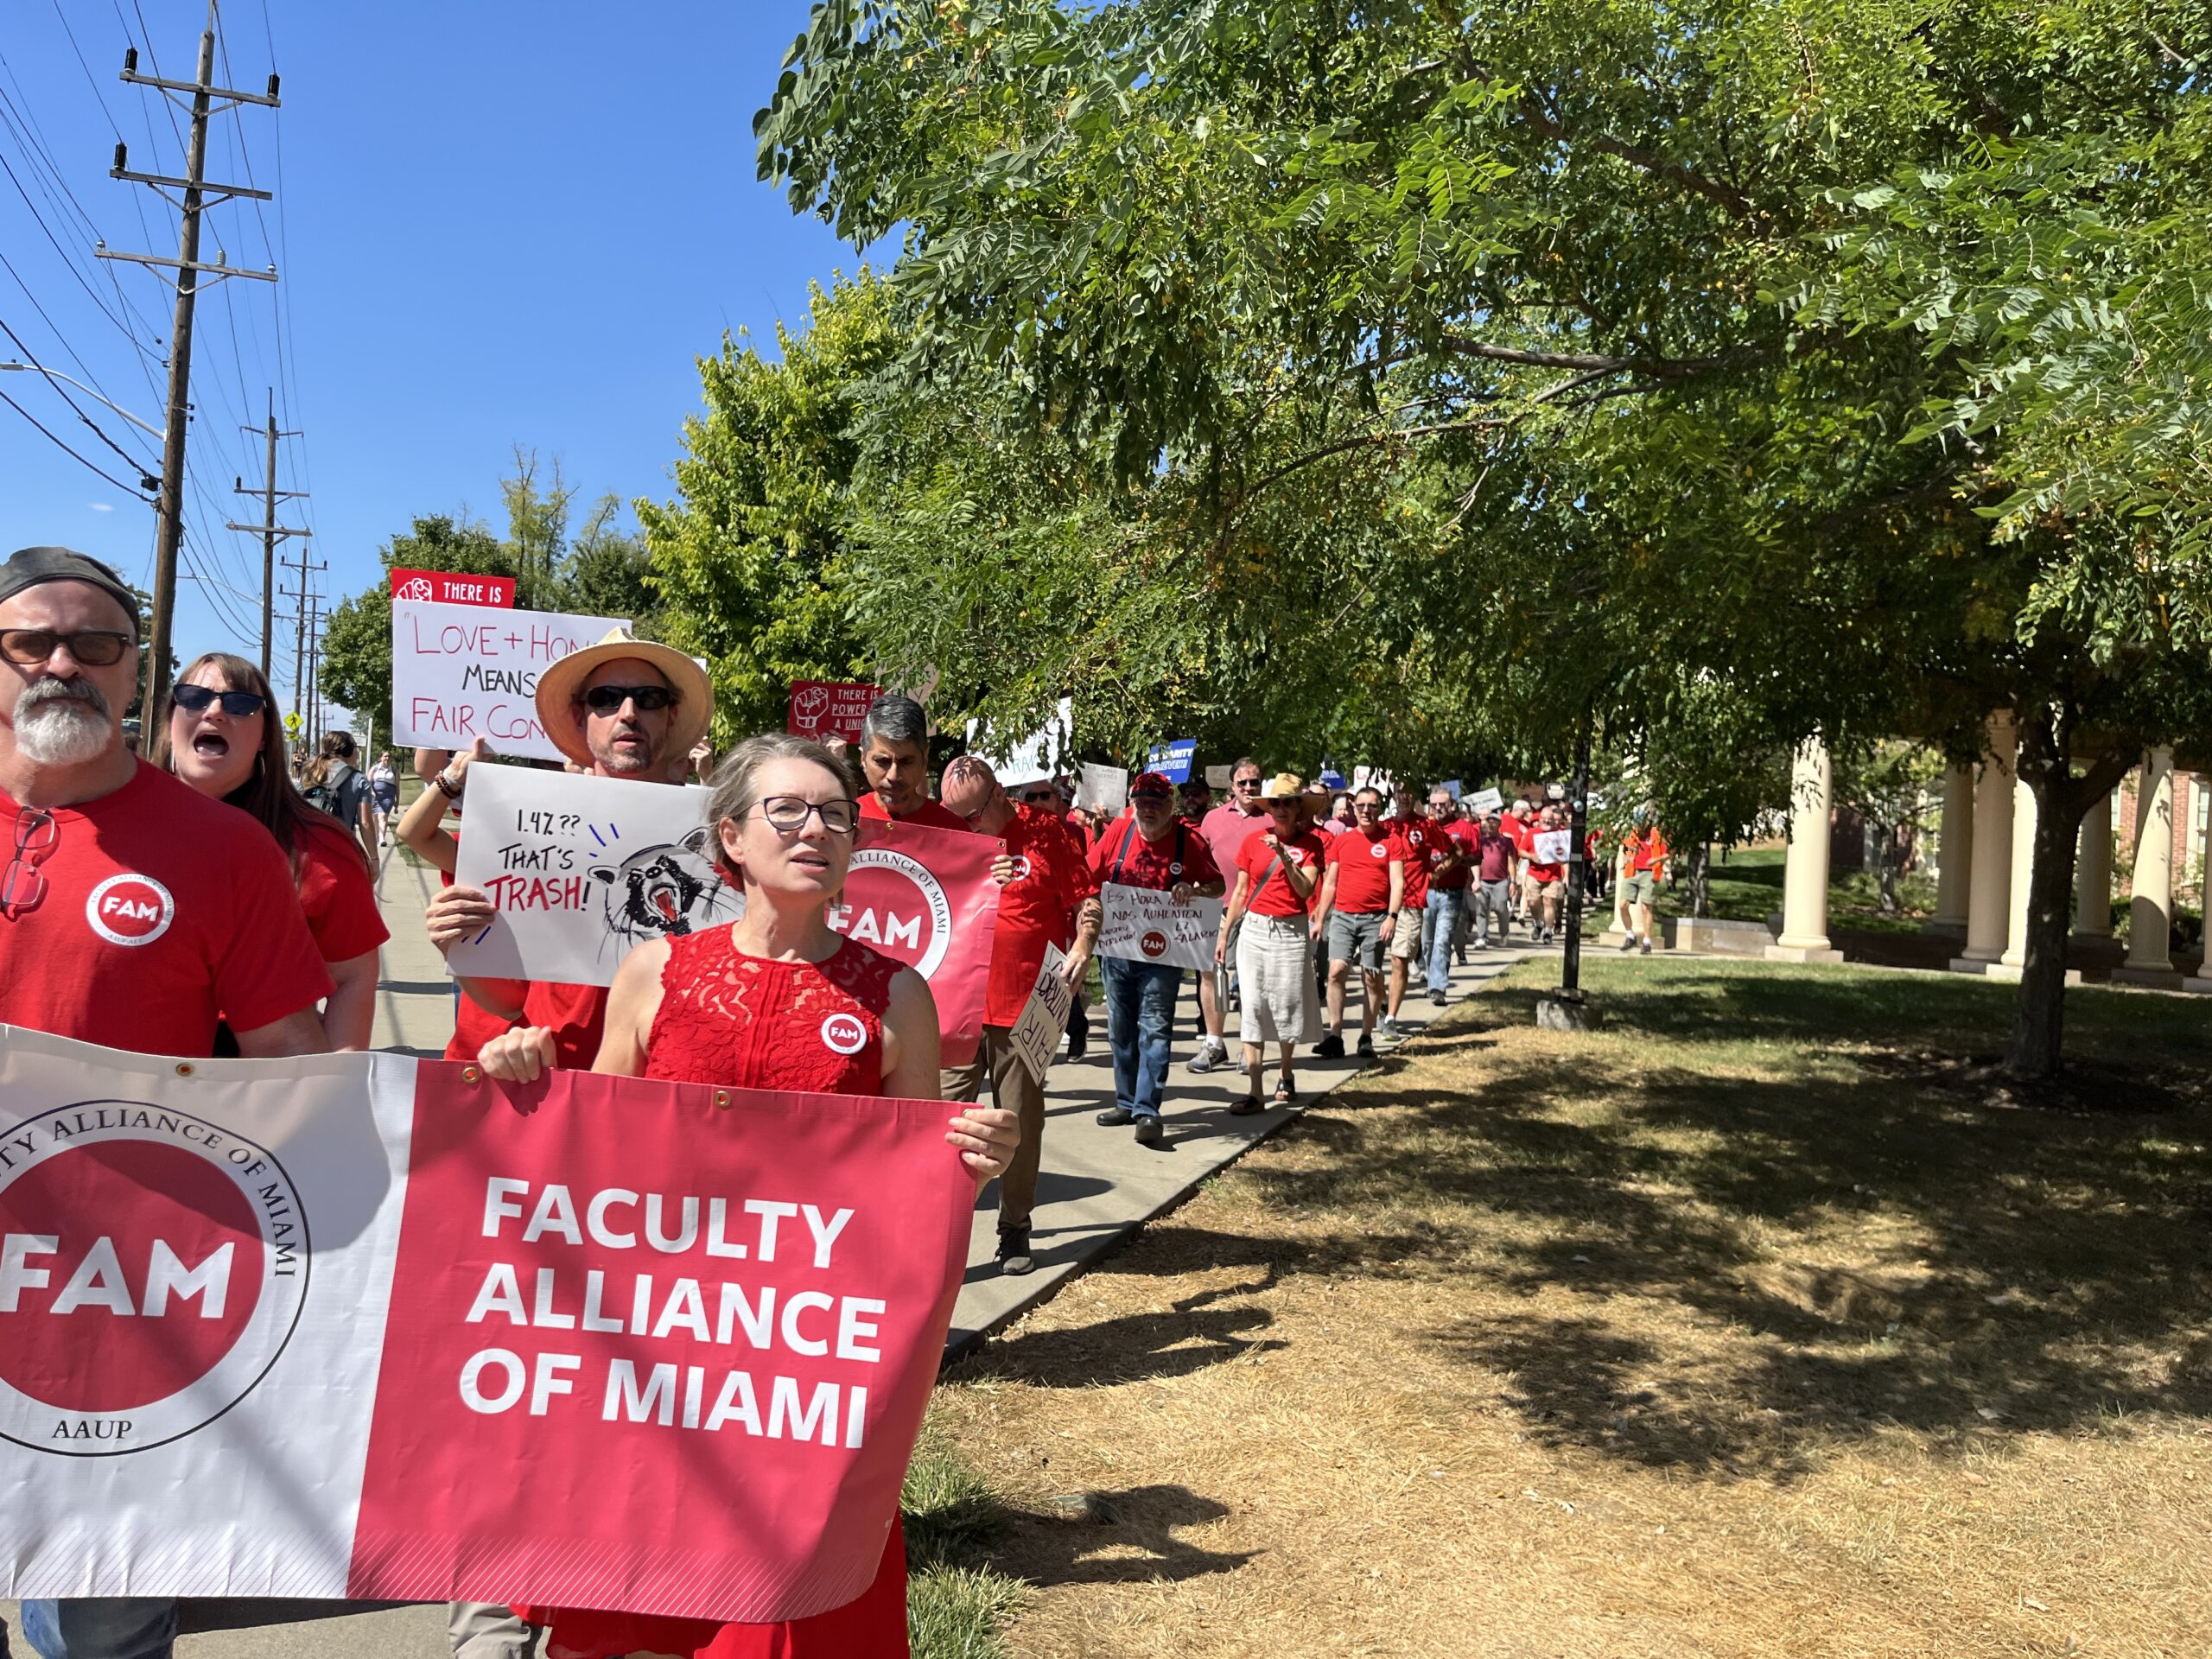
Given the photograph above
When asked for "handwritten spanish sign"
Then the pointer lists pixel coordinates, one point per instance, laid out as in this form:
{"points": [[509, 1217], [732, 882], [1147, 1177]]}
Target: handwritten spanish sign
{"points": [[581, 870], [1144, 924]]}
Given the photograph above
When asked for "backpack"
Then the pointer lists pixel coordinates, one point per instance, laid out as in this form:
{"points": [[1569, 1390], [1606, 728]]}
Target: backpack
{"points": [[329, 795]]}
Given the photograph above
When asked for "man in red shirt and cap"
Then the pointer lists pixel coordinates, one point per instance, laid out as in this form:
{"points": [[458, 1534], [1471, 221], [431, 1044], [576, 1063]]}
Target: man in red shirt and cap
{"points": [[1049, 898], [1150, 848], [134, 913]]}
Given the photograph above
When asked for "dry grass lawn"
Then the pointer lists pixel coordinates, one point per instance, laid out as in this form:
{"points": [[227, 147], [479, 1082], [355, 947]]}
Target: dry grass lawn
{"points": [[1739, 1329]]}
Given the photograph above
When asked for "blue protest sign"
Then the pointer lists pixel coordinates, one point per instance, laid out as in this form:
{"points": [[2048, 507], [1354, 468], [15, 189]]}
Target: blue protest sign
{"points": [[1172, 759]]}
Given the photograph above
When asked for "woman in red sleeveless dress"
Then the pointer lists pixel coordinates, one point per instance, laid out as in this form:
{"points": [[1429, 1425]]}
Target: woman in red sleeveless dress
{"points": [[775, 999]]}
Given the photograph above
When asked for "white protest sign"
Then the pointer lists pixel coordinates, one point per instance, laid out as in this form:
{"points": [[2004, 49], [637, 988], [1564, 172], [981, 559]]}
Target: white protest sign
{"points": [[1035, 756], [1553, 846], [581, 870], [1144, 924], [1103, 787], [1220, 777], [1036, 1036], [1488, 800], [464, 671]]}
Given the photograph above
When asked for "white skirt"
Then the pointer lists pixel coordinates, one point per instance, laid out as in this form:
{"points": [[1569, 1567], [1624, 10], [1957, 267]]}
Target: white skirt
{"points": [[1274, 979]]}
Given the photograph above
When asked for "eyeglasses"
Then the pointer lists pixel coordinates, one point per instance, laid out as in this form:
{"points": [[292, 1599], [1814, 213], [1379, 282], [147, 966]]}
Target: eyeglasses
{"points": [[96, 649], [22, 886], [609, 699], [238, 705], [788, 814]]}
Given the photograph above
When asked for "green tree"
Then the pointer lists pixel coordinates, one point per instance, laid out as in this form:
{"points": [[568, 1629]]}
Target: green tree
{"points": [[748, 558]]}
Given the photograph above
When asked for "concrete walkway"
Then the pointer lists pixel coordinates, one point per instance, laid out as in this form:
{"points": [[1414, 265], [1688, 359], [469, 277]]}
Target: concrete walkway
{"points": [[1097, 1187]]}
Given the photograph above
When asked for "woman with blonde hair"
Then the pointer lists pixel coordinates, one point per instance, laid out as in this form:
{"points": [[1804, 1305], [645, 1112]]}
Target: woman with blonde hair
{"points": [[745, 1005], [1278, 874]]}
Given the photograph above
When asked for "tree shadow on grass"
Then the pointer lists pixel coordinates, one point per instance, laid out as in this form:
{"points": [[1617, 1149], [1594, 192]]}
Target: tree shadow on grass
{"points": [[1758, 1265]]}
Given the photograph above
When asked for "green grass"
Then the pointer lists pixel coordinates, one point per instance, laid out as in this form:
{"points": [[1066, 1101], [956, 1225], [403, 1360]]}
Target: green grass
{"points": [[957, 1605], [1748, 888]]}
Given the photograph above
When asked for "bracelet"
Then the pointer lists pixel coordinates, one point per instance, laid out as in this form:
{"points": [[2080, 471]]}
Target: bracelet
{"points": [[448, 787]]}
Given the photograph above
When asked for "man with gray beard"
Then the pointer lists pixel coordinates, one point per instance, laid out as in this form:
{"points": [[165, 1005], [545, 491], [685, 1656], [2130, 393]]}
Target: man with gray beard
{"points": [[134, 913]]}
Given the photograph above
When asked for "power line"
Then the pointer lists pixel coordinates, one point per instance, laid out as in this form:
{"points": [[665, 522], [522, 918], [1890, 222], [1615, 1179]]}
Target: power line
{"points": [[127, 489]]}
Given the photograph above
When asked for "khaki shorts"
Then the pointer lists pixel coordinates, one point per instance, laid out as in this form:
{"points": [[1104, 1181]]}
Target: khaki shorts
{"points": [[1532, 890], [1642, 888], [1405, 939]]}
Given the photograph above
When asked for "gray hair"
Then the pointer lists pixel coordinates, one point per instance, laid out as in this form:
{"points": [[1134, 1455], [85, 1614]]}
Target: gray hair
{"points": [[737, 781], [899, 718]]}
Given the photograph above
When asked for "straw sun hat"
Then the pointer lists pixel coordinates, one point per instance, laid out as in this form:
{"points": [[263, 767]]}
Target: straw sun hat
{"points": [[1283, 783], [561, 685]]}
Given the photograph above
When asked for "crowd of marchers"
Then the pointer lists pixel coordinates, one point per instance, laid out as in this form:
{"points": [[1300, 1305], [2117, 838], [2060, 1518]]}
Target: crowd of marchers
{"points": [[217, 898]]}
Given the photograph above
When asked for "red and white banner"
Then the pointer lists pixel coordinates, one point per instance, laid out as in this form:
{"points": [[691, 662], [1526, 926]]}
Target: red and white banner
{"points": [[926, 897], [449, 588], [823, 709], [357, 1327]]}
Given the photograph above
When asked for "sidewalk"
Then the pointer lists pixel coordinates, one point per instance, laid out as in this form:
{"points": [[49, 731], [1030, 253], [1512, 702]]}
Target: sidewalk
{"points": [[1097, 1187]]}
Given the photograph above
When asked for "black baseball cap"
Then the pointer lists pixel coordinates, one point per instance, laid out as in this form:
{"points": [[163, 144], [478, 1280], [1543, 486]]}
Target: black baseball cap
{"points": [[28, 567]]}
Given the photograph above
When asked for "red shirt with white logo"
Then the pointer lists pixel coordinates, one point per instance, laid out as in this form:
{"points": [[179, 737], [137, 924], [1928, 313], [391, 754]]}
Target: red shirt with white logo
{"points": [[1124, 857], [337, 896], [931, 815], [1272, 895], [164, 910], [1424, 840], [1464, 838], [1363, 861], [1036, 908]]}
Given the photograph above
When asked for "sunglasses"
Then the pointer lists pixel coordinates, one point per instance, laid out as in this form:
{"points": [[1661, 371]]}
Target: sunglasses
{"points": [[1040, 797], [788, 814], [22, 886], [1248, 783], [609, 699], [197, 699], [96, 649]]}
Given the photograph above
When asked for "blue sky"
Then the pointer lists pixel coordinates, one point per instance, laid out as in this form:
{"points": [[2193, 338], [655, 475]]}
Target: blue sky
{"points": [[496, 224]]}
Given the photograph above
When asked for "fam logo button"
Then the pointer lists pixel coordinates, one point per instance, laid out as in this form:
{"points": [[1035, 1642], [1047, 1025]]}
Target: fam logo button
{"points": [[131, 910], [1153, 943], [153, 1266], [844, 1033]]}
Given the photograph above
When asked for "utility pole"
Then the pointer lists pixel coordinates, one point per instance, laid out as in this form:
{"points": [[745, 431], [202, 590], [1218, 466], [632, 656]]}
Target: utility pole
{"points": [[300, 597], [271, 531], [315, 654], [197, 195]]}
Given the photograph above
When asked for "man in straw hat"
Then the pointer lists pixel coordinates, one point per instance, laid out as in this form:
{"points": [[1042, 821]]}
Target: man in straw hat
{"points": [[624, 707]]}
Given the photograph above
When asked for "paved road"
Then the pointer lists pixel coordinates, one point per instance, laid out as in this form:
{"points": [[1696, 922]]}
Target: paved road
{"points": [[1097, 1185]]}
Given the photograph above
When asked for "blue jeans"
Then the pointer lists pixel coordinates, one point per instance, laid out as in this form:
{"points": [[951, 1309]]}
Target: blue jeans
{"points": [[1139, 1018], [1439, 923], [102, 1627]]}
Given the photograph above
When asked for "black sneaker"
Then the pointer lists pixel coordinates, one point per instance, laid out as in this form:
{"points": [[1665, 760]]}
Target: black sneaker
{"points": [[1077, 1047], [1014, 1259], [1330, 1047], [1150, 1131], [1438, 998], [1114, 1117], [1366, 1049]]}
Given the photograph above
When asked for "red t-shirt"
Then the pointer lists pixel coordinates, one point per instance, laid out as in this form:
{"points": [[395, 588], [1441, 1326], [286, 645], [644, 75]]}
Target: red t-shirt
{"points": [[1181, 854], [1036, 908], [1522, 832], [1496, 852], [1424, 840], [1272, 896], [931, 815], [1363, 864], [164, 910], [337, 896], [1647, 851], [1466, 839], [577, 1014]]}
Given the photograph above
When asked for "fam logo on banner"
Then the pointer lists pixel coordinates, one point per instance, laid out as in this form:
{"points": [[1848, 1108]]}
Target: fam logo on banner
{"points": [[1144, 924], [926, 898], [266, 1325]]}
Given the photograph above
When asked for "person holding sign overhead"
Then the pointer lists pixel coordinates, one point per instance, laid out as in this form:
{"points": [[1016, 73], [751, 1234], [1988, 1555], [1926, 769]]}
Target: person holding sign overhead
{"points": [[1150, 848], [1278, 876], [775, 999]]}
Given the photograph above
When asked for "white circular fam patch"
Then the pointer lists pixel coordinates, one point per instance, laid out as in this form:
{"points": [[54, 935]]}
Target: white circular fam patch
{"points": [[131, 909], [844, 1033]]}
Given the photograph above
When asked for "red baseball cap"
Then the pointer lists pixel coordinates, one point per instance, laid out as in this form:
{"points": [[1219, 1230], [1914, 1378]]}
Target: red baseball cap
{"points": [[1151, 783]]}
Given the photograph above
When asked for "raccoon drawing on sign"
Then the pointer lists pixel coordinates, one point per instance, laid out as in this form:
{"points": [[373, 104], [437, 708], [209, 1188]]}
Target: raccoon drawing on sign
{"points": [[665, 890]]}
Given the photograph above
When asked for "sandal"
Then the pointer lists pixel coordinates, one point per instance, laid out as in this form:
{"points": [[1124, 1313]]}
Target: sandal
{"points": [[1250, 1106], [1286, 1092]]}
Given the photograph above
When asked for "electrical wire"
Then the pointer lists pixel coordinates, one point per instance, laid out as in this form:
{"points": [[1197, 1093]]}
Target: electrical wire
{"points": [[130, 490]]}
